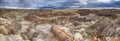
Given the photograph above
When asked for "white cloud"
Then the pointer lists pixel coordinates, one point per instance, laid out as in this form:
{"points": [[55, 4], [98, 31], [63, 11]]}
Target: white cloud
{"points": [[104, 0]]}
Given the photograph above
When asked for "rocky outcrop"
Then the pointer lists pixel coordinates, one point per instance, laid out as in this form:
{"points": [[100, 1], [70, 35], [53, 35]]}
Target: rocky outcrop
{"points": [[59, 25]]}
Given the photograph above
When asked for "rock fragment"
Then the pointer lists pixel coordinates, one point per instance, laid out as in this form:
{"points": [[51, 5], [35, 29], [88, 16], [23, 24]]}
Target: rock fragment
{"points": [[62, 35], [78, 36], [5, 26], [37, 39], [3, 30], [16, 37]]}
